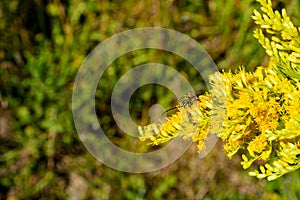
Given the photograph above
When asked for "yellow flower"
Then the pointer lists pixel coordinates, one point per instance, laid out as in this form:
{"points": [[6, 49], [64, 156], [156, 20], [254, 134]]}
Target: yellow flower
{"points": [[262, 107], [258, 144]]}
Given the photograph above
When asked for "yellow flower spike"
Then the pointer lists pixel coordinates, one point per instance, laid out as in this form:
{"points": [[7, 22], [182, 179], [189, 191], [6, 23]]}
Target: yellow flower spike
{"points": [[262, 107]]}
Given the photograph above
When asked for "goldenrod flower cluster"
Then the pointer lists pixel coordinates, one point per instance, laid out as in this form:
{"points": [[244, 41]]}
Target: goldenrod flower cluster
{"points": [[281, 41], [260, 114]]}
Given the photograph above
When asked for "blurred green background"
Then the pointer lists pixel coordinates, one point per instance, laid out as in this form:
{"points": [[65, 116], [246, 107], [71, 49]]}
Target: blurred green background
{"points": [[42, 46]]}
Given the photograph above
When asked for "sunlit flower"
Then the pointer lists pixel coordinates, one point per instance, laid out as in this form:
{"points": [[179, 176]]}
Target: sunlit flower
{"points": [[261, 107]]}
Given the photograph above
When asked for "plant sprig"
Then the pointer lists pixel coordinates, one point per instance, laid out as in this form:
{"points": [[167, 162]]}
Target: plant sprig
{"points": [[262, 107]]}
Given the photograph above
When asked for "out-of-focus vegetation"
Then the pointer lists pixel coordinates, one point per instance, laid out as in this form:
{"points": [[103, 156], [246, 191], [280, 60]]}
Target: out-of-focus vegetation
{"points": [[42, 46]]}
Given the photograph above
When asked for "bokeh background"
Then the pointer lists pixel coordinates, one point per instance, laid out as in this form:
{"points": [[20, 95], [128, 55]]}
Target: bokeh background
{"points": [[43, 43]]}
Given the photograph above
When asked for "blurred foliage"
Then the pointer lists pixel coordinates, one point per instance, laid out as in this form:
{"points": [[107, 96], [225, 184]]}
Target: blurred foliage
{"points": [[42, 46]]}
